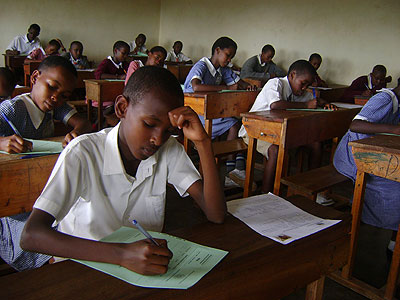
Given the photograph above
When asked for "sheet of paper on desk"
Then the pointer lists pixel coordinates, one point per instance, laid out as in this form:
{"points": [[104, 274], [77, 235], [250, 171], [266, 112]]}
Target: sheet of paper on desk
{"points": [[346, 105], [189, 264], [43, 147], [276, 218], [321, 88]]}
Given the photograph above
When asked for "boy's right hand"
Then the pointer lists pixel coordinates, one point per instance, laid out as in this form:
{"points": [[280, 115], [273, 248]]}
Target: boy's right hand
{"points": [[145, 258], [367, 93], [15, 144], [312, 103]]}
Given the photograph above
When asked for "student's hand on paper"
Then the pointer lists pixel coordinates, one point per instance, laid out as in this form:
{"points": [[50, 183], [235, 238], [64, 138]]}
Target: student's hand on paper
{"points": [[15, 144], [367, 93], [311, 103], [69, 137], [233, 86], [330, 106], [145, 258], [251, 88], [186, 119]]}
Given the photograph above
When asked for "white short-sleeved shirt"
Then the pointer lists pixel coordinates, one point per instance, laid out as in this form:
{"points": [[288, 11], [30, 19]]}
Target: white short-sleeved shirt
{"points": [[23, 45], [274, 90], [142, 49], [171, 56], [90, 194]]}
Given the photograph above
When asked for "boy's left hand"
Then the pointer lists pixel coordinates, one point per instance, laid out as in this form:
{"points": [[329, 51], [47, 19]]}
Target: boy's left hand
{"points": [[186, 119], [330, 106], [69, 137]]}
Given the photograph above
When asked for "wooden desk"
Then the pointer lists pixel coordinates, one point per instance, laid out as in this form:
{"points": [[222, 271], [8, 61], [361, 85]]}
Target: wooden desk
{"points": [[289, 129], [255, 268], [22, 180], [254, 81], [180, 71], [82, 76], [378, 155], [29, 67], [361, 100], [20, 90], [213, 105], [14, 61], [334, 94], [102, 91]]}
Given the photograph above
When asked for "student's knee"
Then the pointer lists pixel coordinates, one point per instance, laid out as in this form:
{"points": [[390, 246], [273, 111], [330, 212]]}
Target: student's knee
{"points": [[235, 128]]}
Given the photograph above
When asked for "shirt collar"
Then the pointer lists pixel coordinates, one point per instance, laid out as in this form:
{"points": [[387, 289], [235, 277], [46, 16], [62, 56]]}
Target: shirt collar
{"points": [[210, 66], [118, 66], [259, 60], [35, 114], [369, 81], [113, 162]]}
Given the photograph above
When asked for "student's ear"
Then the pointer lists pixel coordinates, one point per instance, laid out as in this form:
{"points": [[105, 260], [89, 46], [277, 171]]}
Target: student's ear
{"points": [[292, 75], [35, 75], [121, 106], [217, 50]]}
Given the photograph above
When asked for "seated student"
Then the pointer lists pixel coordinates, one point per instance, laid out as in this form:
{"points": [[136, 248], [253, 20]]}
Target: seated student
{"points": [[24, 44], [121, 174], [212, 74], [381, 200], [52, 48], [316, 60], [261, 66], [138, 45], [76, 57], [176, 55], [32, 114], [116, 66], [367, 85], [7, 84], [282, 93], [156, 58]]}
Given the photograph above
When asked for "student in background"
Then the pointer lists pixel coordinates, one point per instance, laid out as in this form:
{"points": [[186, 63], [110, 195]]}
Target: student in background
{"points": [[316, 60], [367, 85], [76, 57], [261, 66], [121, 173], [7, 84], [212, 74], [52, 48], [156, 58], [176, 55], [138, 45], [24, 44], [382, 196], [32, 114], [116, 66], [282, 93]]}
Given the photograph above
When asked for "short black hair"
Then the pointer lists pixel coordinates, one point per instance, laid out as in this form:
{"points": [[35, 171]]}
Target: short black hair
{"points": [[121, 44], [76, 43], [223, 43], [55, 43], [58, 61], [142, 36], [379, 69], [301, 67], [159, 49], [268, 48], [149, 78], [315, 56], [9, 76], [35, 27], [178, 42]]}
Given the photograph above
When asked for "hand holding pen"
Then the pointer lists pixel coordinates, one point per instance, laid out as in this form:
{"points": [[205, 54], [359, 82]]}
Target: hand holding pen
{"points": [[14, 143]]}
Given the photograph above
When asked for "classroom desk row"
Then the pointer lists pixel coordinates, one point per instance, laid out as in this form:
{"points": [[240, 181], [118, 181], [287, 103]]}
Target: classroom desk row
{"points": [[255, 268]]}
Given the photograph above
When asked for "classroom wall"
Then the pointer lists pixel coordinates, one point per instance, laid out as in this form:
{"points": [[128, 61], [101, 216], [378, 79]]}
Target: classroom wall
{"points": [[352, 36], [97, 24]]}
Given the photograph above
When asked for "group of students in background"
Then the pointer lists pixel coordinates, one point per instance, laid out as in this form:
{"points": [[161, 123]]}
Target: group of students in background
{"points": [[133, 161]]}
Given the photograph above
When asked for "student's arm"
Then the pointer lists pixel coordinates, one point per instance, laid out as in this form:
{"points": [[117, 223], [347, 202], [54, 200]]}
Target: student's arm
{"points": [[207, 192], [243, 85], [199, 87], [12, 52], [362, 126], [141, 257], [14, 144], [80, 126], [356, 88], [283, 104], [112, 76], [248, 70]]}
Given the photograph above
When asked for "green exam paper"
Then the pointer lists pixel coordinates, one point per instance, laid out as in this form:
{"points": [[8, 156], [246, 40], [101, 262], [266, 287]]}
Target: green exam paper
{"points": [[189, 264], [43, 147]]}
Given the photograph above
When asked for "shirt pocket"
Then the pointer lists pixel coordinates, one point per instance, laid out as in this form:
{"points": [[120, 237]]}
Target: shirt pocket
{"points": [[155, 211]]}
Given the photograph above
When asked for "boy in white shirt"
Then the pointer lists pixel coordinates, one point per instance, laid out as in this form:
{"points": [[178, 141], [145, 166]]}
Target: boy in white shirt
{"points": [[176, 55], [25, 44]]}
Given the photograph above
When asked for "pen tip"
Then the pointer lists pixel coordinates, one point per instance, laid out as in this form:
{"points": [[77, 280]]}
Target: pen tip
{"points": [[134, 222]]}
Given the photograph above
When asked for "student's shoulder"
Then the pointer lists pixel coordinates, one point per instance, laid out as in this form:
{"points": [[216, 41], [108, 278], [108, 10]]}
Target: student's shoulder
{"points": [[86, 145], [251, 59], [360, 80], [171, 148]]}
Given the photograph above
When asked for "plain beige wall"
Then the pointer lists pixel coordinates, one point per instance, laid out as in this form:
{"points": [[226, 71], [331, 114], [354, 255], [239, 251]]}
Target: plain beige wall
{"points": [[97, 24], [352, 36]]}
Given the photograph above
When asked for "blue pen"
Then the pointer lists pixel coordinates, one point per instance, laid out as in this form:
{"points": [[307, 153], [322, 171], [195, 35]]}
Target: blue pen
{"points": [[11, 124], [145, 233], [313, 92]]}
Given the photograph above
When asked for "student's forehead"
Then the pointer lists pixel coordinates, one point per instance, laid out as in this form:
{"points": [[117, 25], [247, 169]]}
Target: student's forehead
{"points": [[57, 73], [76, 46], [123, 49]]}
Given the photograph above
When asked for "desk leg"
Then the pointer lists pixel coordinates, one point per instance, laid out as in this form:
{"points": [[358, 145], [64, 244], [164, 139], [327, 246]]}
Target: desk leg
{"points": [[89, 110], [356, 210], [394, 270], [208, 127], [251, 151], [281, 167], [100, 115], [315, 289]]}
